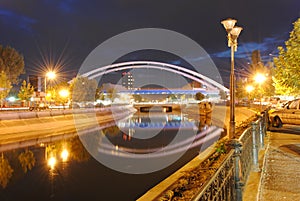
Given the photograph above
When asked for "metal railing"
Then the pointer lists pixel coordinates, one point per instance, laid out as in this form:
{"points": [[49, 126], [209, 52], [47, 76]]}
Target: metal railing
{"points": [[228, 181]]}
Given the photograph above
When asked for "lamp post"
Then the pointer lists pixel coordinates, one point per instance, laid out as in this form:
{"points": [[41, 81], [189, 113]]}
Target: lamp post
{"points": [[64, 93], [232, 35], [260, 78], [249, 89], [50, 75]]}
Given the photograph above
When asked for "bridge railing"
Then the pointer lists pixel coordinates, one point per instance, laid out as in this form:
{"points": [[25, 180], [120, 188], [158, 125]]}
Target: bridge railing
{"points": [[228, 181]]}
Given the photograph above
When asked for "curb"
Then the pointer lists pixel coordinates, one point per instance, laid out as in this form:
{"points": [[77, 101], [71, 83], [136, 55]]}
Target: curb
{"points": [[161, 187]]}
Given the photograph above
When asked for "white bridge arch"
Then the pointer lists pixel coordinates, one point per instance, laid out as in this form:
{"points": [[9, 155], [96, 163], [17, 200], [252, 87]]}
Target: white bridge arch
{"points": [[193, 75]]}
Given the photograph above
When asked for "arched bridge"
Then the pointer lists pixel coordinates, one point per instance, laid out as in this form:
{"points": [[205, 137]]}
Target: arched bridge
{"points": [[193, 75]]}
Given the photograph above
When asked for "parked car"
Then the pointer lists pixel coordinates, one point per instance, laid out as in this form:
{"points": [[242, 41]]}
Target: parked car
{"points": [[289, 114], [39, 107]]}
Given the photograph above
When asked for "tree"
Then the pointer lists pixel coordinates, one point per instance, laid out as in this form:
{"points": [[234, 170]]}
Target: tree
{"points": [[5, 171], [56, 95], [240, 91], [287, 64], [11, 63], [137, 97], [172, 97], [99, 93], [199, 96], [78, 151], [27, 160], [111, 93], [26, 91], [223, 95], [83, 89], [5, 86]]}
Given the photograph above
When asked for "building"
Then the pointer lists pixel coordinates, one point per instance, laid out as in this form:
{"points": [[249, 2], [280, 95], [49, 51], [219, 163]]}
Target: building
{"points": [[37, 82], [127, 80]]}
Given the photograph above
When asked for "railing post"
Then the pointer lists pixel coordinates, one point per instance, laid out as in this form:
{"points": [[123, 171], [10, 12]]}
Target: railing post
{"points": [[262, 132], [255, 147], [237, 145]]}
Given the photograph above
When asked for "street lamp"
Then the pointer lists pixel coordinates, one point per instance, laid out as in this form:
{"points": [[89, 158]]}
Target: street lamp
{"points": [[50, 75], [64, 93], [260, 78], [233, 33], [249, 89]]}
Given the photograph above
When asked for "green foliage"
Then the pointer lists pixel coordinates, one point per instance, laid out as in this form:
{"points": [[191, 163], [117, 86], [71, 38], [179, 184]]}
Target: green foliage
{"points": [[5, 86], [27, 160], [223, 95], [287, 64], [199, 96], [137, 97], [54, 92], [111, 131], [220, 147], [11, 63], [99, 94], [5, 171], [26, 91], [78, 151], [240, 91], [83, 89], [172, 97], [111, 94]]}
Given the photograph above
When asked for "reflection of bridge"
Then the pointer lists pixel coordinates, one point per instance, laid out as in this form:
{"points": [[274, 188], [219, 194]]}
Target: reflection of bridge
{"points": [[157, 106], [149, 125]]}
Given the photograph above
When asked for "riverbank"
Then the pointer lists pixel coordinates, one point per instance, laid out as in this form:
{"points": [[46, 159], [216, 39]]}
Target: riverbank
{"points": [[42, 128]]}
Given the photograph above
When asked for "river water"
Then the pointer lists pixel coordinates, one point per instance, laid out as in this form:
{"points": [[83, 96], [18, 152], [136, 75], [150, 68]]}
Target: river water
{"points": [[79, 175]]}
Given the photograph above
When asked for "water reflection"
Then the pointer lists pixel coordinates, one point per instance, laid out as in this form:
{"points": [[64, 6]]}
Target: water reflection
{"points": [[153, 130], [148, 142], [63, 170]]}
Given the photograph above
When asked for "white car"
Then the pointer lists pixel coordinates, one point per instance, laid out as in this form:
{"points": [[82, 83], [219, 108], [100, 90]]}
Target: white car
{"points": [[289, 114]]}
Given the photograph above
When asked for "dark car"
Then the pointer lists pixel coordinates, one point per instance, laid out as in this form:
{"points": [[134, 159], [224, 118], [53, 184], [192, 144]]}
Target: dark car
{"points": [[289, 114]]}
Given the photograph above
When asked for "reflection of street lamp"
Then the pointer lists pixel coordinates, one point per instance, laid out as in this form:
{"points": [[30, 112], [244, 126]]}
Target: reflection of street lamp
{"points": [[52, 162], [233, 33], [64, 155], [260, 78]]}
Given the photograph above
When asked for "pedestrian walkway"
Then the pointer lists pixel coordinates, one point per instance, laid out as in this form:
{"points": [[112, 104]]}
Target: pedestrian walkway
{"points": [[279, 178]]}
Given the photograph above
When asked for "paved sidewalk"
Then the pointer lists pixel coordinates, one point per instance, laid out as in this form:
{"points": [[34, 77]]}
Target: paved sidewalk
{"points": [[279, 179]]}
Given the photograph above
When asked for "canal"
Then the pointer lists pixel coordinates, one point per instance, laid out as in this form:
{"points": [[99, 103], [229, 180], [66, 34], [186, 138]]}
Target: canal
{"points": [[119, 162]]}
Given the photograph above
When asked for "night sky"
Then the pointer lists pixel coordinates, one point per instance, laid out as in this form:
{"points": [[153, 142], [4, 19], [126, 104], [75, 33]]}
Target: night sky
{"points": [[64, 32]]}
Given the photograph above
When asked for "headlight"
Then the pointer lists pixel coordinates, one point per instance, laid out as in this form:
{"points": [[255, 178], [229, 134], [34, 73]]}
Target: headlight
{"points": [[271, 111]]}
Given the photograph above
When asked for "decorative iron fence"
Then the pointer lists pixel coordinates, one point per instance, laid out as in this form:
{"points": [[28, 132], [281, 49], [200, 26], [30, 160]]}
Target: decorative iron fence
{"points": [[227, 183]]}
